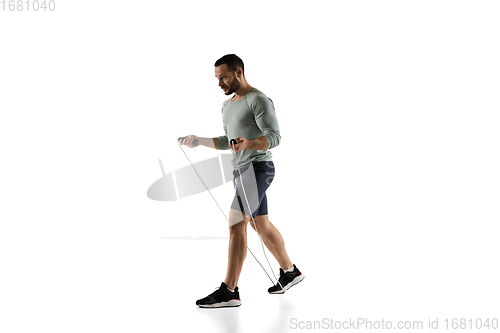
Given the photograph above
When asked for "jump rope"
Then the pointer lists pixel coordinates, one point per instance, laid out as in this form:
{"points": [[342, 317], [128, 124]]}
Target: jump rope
{"points": [[233, 142]]}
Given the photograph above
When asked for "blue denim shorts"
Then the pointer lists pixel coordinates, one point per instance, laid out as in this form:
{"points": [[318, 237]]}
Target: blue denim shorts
{"points": [[256, 178]]}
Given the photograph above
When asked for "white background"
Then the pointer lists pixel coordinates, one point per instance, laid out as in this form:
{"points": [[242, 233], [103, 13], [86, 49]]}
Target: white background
{"points": [[386, 188]]}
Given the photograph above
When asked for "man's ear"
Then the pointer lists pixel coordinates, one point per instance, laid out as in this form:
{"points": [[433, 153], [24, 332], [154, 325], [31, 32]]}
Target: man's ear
{"points": [[239, 72]]}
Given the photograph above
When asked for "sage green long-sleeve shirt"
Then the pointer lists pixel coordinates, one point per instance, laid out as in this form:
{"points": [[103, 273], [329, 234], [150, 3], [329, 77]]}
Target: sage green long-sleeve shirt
{"points": [[250, 117]]}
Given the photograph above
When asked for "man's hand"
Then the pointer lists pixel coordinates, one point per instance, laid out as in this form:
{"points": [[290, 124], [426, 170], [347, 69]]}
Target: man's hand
{"points": [[241, 145], [189, 141], [259, 143]]}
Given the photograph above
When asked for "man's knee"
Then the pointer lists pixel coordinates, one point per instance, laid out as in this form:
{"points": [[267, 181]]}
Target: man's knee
{"points": [[237, 218], [238, 228], [261, 222]]}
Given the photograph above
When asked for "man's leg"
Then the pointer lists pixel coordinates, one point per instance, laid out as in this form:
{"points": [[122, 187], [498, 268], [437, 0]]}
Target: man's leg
{"points": [[237, 247], [223, 297], [274, 242], [272, 239]]}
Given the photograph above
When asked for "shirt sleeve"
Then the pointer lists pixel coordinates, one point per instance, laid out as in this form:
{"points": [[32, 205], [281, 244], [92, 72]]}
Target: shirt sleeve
{"points": [[265, 117], [223, 140]]}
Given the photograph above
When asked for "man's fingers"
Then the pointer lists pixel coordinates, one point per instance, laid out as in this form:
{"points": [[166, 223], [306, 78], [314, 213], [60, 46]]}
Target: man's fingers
{"points": [[191, 141]]}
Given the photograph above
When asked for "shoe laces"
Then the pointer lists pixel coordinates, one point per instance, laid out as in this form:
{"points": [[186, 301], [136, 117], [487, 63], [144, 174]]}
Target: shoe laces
{"points": [[217, 291], [280, 279]]}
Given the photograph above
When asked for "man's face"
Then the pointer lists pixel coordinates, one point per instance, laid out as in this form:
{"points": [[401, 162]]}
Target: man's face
{"points": [[227, 79]]}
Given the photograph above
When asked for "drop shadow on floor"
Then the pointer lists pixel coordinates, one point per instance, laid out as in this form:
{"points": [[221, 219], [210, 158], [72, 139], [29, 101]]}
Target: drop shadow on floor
{"points": [[228, 320]]}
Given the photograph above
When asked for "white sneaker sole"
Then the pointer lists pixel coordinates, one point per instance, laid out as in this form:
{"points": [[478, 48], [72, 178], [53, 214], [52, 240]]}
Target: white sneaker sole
{"points": [[290, 285], [231, 303]]}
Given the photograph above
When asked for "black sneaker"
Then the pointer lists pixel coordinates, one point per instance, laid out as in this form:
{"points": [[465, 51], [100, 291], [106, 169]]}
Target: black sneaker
{"points": [[287, 280], [220, 298]]}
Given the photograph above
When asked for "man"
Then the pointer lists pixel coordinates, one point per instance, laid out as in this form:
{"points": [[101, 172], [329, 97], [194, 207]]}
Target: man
{"points": [[249, 117]]}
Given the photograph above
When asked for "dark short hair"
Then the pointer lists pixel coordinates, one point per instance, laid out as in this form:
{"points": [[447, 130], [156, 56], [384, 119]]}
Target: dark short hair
{"points": [[232, 61]]}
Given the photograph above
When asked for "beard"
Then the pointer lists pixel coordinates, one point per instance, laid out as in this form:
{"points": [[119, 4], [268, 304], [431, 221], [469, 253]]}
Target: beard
{"points": [[233, 87]]}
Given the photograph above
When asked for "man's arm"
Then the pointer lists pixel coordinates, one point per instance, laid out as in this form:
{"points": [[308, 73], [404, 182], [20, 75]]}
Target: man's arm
{"points": [[219, 143], [265, 118], [260, 143], [209, 142], [216, 143], [190, 141]]}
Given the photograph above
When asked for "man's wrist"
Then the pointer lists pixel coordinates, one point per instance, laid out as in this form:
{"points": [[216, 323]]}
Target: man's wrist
{"points": [[209, 142]]}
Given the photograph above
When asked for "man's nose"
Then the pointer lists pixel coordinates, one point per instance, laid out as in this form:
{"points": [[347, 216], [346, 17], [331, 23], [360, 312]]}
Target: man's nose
{"points": [[221, 83]]}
